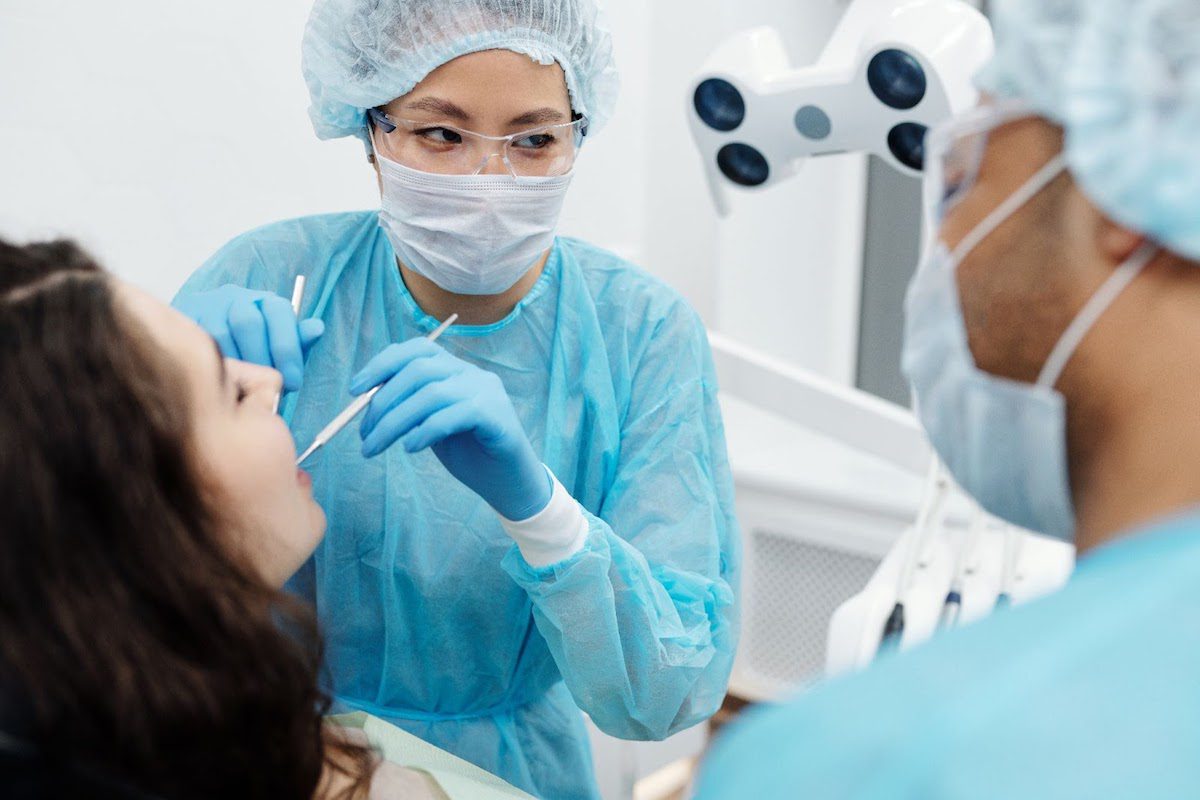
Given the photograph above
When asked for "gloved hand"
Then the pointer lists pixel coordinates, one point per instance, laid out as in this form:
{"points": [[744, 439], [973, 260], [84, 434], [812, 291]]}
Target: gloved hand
{"points": [[432, 399], [254, 326]]}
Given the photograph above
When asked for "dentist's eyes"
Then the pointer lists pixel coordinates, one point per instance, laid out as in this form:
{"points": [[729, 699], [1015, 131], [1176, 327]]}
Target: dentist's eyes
{"points": [[538, 141], [440, 135]]}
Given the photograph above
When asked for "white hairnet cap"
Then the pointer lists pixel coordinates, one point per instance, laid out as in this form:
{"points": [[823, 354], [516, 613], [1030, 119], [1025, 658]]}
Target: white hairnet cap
{"points": [[359, 54], [1122, 77]]}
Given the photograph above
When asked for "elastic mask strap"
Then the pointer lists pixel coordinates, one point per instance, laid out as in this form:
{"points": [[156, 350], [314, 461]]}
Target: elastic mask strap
{"points": [[1117, 283], [1040, 180]]}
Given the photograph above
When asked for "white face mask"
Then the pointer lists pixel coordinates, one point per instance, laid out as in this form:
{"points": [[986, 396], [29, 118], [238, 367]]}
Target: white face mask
{"points": [[469, 234], [1004, 441]]}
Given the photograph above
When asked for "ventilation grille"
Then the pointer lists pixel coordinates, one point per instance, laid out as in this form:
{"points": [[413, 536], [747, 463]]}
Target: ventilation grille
{"points": [[796, 588]]}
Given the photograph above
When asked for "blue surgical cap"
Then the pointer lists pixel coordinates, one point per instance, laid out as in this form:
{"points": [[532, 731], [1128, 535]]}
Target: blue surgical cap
{"points": [[1122, 77], [359, 54]]}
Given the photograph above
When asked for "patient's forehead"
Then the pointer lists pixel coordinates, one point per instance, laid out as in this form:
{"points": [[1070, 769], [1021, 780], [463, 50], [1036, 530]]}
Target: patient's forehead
{"points": [[182, 340]]}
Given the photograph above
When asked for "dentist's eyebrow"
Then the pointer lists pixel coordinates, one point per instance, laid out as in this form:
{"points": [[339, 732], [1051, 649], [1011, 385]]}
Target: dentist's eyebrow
{"points": [[541, 116], [436, 105]]}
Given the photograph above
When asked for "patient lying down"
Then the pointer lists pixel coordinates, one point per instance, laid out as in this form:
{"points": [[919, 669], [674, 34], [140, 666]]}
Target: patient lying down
{"points": [[151, 512]]}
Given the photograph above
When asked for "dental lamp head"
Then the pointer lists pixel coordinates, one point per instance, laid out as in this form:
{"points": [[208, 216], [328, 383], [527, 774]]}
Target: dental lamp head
{"points": [[892, 70]]}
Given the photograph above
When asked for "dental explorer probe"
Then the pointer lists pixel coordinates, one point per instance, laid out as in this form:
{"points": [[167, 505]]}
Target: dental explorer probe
{"points": [[362, 401], [297, 298]]}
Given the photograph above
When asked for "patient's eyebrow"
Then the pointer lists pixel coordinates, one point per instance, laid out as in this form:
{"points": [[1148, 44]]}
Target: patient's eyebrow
{"points": [[223, 375]]}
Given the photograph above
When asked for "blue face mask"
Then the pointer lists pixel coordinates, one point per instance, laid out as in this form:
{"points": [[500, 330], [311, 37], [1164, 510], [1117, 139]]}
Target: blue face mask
{"points": [[1005, 442]]}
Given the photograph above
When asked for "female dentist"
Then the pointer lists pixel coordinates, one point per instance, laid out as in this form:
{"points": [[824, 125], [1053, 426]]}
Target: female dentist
{"points": [[538, 515]]}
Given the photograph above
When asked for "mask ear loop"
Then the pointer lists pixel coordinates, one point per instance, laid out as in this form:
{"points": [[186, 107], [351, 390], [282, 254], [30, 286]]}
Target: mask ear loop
{"points": [[1104, 297], [1033, 187]]}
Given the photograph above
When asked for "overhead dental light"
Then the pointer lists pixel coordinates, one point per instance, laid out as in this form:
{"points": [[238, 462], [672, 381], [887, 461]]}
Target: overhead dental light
{"points": [[892, 70]]}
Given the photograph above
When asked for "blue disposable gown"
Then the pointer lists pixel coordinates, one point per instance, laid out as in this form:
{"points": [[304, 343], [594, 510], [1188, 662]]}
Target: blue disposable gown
{"points": [[433, 620], [1090, 693]]}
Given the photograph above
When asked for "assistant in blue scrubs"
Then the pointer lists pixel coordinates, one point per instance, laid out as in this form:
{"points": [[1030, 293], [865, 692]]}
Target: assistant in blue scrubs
{"points": [[434, 620], [535, 514], [1051, 344]]}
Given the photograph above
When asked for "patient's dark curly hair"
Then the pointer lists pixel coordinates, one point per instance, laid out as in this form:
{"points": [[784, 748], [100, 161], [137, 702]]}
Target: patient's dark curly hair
{"points": [[138, 656]]}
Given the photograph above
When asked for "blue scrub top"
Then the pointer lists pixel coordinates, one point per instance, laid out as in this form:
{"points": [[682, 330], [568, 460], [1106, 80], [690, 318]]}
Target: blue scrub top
{"points": [[433, 620], [1091, 693]]}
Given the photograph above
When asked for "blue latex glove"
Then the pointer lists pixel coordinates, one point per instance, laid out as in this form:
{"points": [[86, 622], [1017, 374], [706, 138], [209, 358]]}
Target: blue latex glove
{"points": [[254, 326], [432, 399]]}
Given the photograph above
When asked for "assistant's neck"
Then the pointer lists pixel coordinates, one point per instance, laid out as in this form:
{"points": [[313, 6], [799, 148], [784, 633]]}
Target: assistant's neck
{"points": [[1135, 425], [471, 309]]}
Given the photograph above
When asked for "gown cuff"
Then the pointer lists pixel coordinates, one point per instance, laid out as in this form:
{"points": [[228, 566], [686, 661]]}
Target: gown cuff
{"points": [[555, 533]]}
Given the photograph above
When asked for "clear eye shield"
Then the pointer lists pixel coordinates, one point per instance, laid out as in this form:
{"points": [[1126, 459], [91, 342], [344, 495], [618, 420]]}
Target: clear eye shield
{"points": [[441, 148]]}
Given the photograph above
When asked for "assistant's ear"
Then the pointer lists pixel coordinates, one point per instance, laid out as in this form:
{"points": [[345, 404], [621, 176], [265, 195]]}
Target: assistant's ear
{"points": [[1116, 242], [1098, 238]]}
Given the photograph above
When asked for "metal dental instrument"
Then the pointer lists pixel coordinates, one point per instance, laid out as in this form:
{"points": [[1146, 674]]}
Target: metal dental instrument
{"points": [[297, 297], [362, 401]]}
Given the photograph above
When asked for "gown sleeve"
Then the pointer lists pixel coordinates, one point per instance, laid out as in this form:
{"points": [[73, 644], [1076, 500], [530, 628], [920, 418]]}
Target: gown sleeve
{"points": [[642, 621], [252, 261]]}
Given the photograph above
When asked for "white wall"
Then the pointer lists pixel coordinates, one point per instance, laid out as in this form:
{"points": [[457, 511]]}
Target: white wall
{"points": [[154, 131]]}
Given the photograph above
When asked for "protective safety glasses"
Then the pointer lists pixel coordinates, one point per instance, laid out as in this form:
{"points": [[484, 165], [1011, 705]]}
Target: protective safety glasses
{"points": [[954, 154], [444, 149]]}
